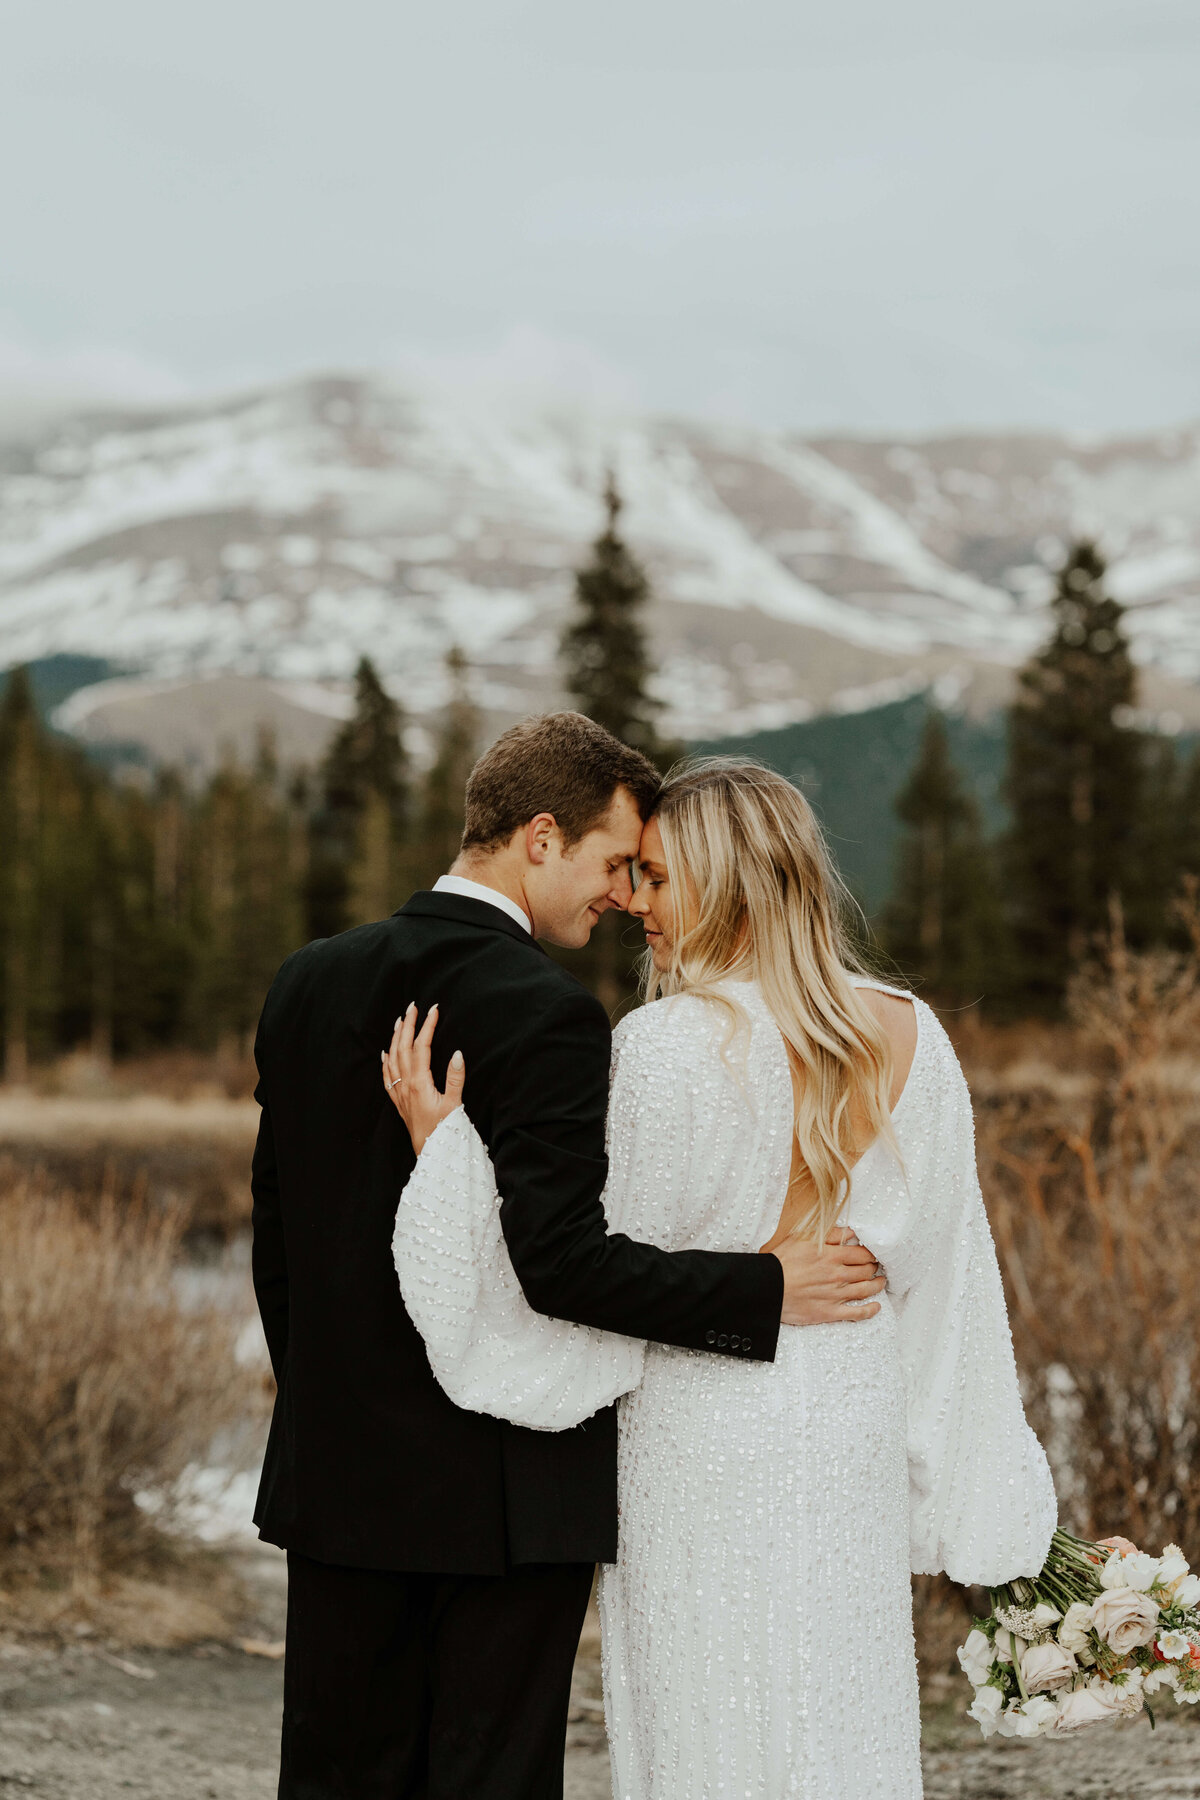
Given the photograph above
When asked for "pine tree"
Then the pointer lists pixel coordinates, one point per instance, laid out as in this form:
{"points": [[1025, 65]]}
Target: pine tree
{"points": [[604, 646], [360, 825], [250, 893], [943, 922], [1188, 817], [269, 918], [1159, 844], [446, 781], [103, 933], [367, 755], [21, 815], [45, 883], [606, 669], [68, 891], [1075, 779]]}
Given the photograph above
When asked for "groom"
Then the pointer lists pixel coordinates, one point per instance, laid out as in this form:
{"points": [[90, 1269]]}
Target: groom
{"points": [[440, 1561]]}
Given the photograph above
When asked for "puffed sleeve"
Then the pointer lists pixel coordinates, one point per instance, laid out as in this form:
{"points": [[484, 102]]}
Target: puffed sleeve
{"points": [[488, 1348], [982, 1499]]}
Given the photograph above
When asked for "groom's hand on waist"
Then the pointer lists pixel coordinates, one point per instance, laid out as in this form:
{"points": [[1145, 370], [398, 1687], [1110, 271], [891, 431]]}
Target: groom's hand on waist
{"points": [[829, 1284]]}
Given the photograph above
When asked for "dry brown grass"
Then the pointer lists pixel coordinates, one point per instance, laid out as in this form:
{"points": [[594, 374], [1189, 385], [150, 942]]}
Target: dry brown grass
{"points": [[227, 1073], [110, 1384], [182, 1597], [187, 1156], [1089, 1150], [1089, 1157], [1092, 1176]]}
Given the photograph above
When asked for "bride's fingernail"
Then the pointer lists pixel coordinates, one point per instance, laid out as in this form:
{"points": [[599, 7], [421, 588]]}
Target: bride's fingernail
{"points": [[456, 1061]]}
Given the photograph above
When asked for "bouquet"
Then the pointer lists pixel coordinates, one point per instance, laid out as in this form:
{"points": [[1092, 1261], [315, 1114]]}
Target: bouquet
{"points": [[1095, 1635]]}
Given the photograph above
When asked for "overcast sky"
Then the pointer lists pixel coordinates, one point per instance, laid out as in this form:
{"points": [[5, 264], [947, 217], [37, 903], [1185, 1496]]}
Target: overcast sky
{"points": [[866, 213]]}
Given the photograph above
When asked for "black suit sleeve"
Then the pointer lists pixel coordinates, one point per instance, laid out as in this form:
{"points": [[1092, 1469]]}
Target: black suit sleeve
{"points": [[269, 1256], [547, 1147]]}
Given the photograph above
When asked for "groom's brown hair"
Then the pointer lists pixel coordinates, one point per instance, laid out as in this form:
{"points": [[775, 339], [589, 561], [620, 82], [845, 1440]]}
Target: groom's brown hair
{"points": [[563, 763]]}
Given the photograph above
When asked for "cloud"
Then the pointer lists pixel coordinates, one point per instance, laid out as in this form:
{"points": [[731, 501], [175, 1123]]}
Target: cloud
{"points": [[38, 384], [526, 367]]}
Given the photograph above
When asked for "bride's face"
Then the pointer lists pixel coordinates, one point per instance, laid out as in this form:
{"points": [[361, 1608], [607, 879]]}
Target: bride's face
{"points": [[664, 913]]}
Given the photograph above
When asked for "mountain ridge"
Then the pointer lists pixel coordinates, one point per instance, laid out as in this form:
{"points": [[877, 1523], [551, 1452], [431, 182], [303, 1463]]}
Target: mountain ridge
{"points": [[280, 534]]}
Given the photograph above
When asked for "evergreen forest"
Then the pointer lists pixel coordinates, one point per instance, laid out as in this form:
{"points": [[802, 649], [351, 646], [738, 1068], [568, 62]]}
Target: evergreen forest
{"points": [[137, 914]]}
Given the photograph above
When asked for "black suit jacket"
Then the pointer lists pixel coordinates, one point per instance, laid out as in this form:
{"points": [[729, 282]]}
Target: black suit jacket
{"points": [[369, 1464]]}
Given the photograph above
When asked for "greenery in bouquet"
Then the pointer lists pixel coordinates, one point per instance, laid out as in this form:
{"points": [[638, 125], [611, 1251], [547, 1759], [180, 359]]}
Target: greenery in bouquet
{"points": [[1102, 1629]]}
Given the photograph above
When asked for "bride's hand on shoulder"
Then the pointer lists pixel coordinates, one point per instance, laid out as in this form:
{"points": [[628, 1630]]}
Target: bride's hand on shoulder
{"points": [[410, 1085]]}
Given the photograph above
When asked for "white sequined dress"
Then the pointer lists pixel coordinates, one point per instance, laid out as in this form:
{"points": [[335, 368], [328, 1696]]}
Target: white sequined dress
{"points": [[757, 1625]]}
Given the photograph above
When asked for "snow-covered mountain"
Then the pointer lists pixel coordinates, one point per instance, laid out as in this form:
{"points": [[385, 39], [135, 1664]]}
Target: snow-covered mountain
{"points": [[281, 534]]}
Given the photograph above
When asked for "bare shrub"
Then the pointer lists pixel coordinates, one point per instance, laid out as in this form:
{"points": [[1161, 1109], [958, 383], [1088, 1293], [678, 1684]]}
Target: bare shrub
{"points": [[1092, 1177], [109, 1382], [203, 1183], [187, 1156]]}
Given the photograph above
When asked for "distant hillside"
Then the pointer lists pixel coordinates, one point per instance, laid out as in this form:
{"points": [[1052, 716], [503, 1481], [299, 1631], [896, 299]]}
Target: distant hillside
{"points": [[852, 767], [54, 679], [281, 534]]}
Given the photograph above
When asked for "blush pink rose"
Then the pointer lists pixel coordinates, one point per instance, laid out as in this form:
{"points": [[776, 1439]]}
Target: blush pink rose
{"points": [[1045, 1667], [1125, 1619], [1081, 1708]]}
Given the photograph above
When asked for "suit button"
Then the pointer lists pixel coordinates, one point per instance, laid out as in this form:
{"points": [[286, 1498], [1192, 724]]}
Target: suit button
{"points": [[722, 1341], [735, 1342], [710, 1337], [745, 1343]]}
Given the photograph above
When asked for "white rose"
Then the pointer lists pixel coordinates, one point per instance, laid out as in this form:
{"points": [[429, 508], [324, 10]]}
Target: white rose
{"points": [[1043, 1711], [1008, 1646], [1045, 1616], [1024, 1724], [1047, 1666], [976, 1658], [1134, 1569], [1125, 1619], [1172, 1566], [985, 1709], [1073, 1632], [1112, 1575], [1188, 1591], [1081, 1708], [1173, 1645]]}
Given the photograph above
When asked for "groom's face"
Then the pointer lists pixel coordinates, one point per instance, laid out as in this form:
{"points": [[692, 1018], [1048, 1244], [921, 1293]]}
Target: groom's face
{"points": [[574, 887]]}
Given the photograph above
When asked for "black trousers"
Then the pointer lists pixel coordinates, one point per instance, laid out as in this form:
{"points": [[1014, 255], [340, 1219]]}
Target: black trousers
{"points": [[428, 1687]]}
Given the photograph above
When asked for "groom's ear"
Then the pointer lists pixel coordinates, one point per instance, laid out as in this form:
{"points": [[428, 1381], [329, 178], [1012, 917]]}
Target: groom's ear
{"points": [[540, 832]]}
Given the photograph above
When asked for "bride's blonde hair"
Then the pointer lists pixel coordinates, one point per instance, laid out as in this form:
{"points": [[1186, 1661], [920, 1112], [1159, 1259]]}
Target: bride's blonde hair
{"points": [[771, 907]]}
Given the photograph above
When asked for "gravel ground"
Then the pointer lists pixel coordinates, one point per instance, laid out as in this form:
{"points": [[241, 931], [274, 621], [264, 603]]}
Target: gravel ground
{"points": [[97, 1723]]}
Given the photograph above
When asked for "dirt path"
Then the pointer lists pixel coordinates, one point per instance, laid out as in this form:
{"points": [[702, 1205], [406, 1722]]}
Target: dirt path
{"points": [[195, 1725], [92, 1723]]}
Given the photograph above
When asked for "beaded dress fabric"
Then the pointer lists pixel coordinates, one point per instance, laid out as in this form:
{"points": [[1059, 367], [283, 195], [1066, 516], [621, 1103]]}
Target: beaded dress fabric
{"points": [[757, 1625]]}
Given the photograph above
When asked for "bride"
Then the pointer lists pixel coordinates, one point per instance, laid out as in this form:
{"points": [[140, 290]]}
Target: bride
{"points": [[757, 1624]]}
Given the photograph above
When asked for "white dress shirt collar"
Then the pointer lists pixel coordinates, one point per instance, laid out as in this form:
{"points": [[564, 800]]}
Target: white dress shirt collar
{"points": [[475, 890]]}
